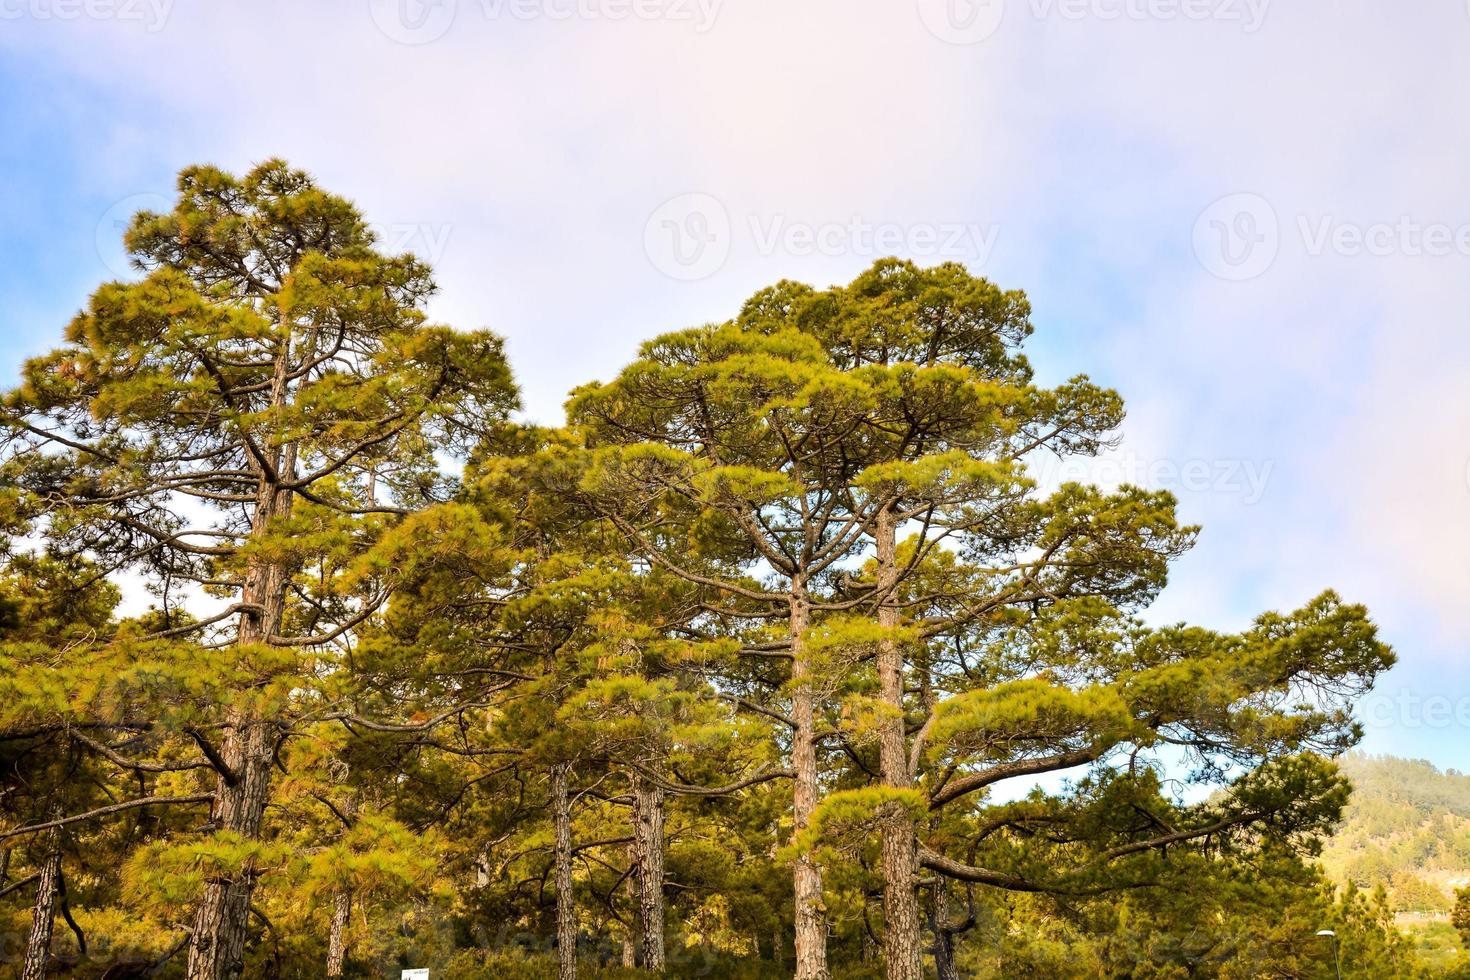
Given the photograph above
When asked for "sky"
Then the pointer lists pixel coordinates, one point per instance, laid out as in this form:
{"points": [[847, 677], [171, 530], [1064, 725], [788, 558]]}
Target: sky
{"points": [[1248, 216]]}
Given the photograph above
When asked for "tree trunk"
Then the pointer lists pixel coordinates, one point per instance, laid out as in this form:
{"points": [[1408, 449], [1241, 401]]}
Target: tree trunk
{"points": [[811, 920], [648, 847], [337, 941], [630, 952], [43, 915], [217, 947], [566, 909], [221, 924], [342, 900], [944, 965], [900, 859]]}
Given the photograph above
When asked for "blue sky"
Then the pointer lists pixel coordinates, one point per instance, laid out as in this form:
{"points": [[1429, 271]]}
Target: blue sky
{"points": [[1248, 216]]}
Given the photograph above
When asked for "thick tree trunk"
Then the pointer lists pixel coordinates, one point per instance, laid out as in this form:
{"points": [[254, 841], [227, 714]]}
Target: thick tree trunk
{"points": [[217, 947], [630, 952], [566, 909], [900, 859], [337, 941], [221, 923], [43, 915], [648, 848], [811, 919]]}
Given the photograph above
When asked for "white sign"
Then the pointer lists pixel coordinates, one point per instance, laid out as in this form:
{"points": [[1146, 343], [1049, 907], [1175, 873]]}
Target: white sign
{"points": [[415, 975]]}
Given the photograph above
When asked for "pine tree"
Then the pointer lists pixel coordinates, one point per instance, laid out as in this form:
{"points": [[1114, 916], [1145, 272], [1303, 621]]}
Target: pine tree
{"points": [[1024, 578], [603, 698], [953, 411], [51, 611], [268, 385], [817, 421], [721, 442]]}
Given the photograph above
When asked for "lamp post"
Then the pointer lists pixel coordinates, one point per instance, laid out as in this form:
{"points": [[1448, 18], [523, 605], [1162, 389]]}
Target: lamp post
{"points": [[1336, 958]]}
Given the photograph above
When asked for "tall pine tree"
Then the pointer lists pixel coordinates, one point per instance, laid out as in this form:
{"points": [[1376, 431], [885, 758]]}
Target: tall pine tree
{"points": [[271, 381]]}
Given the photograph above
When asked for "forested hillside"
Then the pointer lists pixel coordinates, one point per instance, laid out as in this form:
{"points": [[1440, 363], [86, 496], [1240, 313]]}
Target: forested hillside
{"points": [[734, 674], [1406, 829]]}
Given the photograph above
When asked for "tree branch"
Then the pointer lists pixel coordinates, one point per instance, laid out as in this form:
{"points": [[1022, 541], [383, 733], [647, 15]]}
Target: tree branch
{"points": [[107, 811]]}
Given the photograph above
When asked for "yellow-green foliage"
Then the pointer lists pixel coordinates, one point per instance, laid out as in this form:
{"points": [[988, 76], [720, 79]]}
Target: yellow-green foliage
{"points": [[1018, 712], [170, 875], [846, 819]]}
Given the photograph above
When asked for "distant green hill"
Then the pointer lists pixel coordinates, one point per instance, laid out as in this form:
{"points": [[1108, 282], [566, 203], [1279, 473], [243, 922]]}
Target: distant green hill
{"points": [[1407, 828]]}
